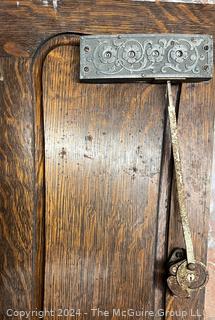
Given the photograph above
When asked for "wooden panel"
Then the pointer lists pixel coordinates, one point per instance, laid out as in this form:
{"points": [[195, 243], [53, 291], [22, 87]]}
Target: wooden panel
{"points": [[43, 19], [103, 145], [39, 239], [196, 117], [16, 187]]}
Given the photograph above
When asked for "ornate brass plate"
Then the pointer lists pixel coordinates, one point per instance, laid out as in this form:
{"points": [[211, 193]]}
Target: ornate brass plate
{"points": [[146, 56]]}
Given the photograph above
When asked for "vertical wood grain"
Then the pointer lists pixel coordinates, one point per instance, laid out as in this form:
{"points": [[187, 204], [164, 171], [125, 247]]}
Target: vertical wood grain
{"points": [[196, 118], [103, 145], [39, 155], [16, 187]]}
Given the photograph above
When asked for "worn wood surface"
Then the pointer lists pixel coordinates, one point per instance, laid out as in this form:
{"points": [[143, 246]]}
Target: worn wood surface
{"points": [[39, 155], [16, 187], [195, 120], [26, 25], [103, 145]]}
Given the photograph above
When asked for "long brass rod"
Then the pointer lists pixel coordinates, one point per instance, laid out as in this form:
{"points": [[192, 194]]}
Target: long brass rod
{"points": [[179, 179]]}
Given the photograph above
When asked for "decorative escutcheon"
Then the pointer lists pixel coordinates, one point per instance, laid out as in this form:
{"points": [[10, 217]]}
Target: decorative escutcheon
{"points": [[146, 56], [181, 280]]}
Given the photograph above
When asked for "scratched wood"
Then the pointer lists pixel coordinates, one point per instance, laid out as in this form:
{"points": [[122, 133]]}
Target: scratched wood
{"points": [[33, 21], [103, 145], [196, 118], [16, 187]]}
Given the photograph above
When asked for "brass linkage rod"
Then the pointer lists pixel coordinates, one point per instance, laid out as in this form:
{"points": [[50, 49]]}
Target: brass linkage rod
{"points": [[179, 179]]}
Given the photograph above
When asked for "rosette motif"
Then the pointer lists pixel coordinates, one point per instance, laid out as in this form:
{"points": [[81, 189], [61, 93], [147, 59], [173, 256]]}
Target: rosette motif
{"points": [[132, 53], [179, 53], [155, 53], [108, 54]]}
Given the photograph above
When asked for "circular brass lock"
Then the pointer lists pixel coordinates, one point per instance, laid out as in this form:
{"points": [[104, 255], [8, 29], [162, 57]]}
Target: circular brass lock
{"points": [[183, 281], [192, 279]]}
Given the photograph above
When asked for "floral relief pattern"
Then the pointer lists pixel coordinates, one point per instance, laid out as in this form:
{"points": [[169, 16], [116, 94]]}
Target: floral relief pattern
{"points": [[155, 53], [164, 55], [179, 53], [132, 53], [108, 55]]}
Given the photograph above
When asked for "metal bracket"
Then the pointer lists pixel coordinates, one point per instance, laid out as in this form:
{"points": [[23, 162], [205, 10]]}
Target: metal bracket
{"points": [[146, 56]]}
